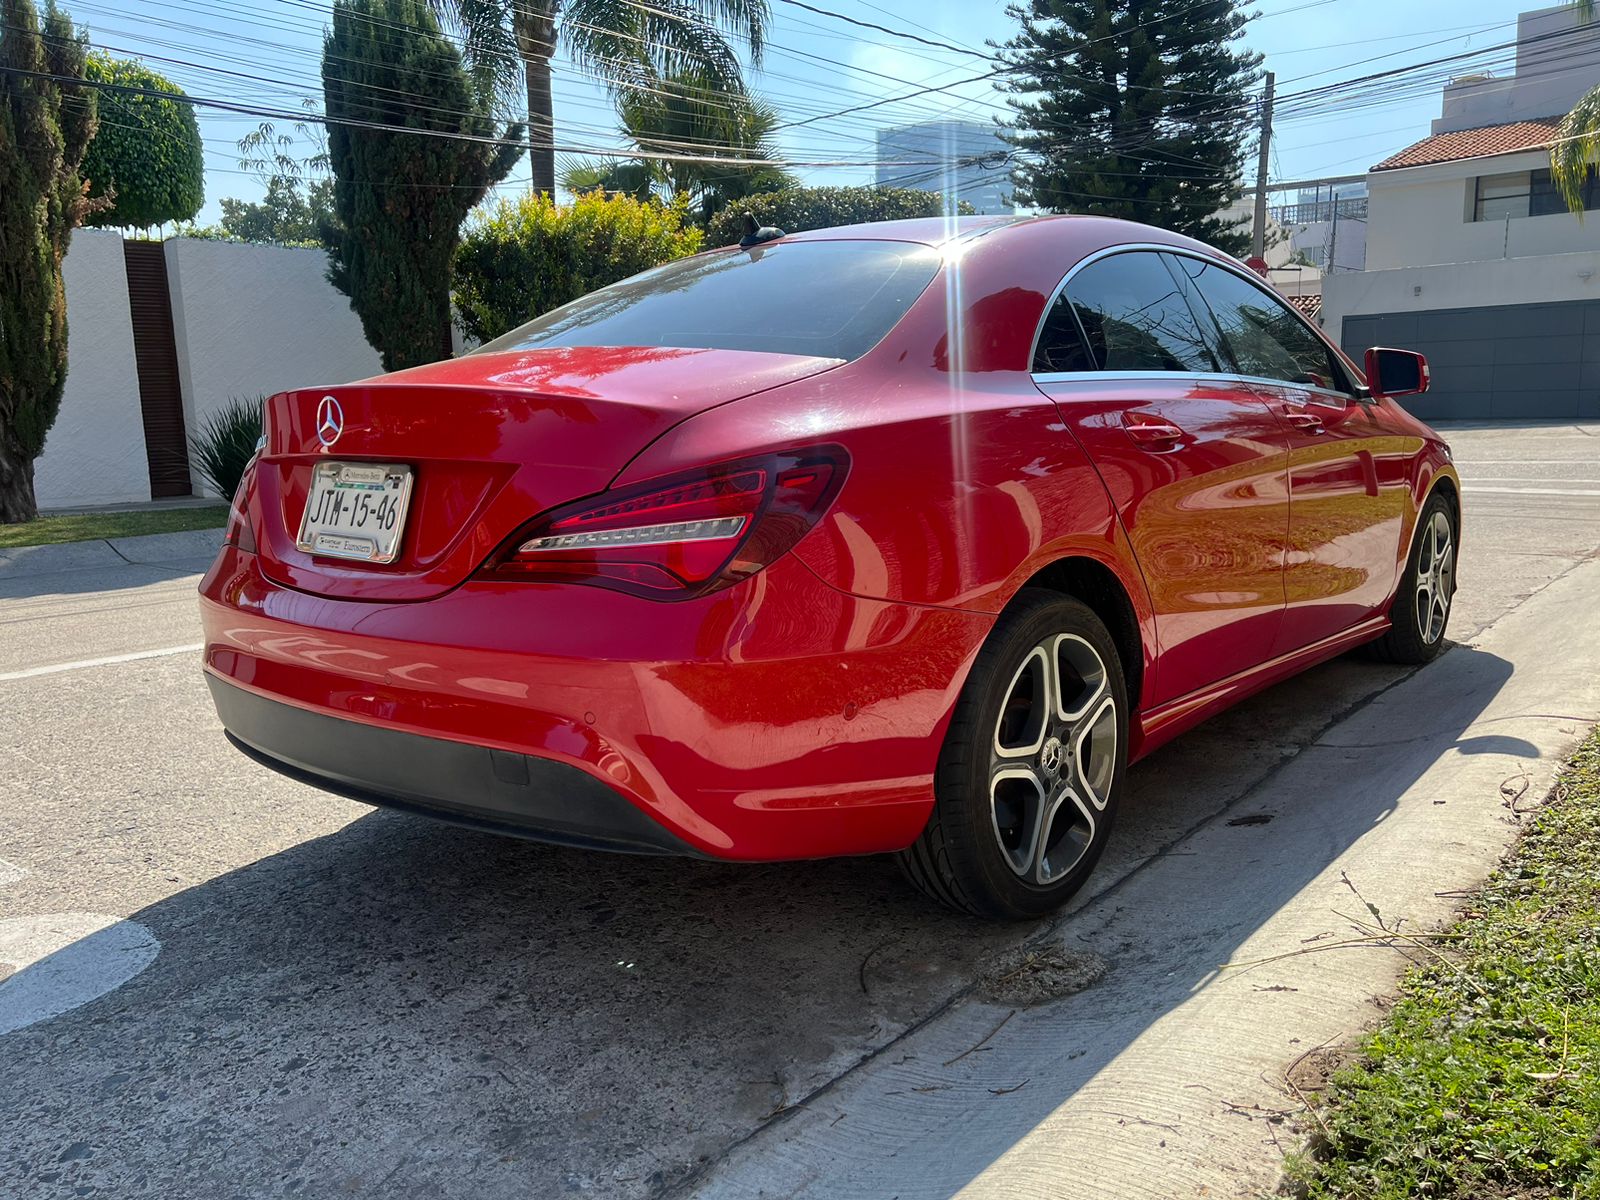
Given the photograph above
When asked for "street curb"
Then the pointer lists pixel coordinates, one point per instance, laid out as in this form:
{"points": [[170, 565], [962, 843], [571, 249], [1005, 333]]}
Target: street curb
{"points": [[167, 547], [187, 547]]}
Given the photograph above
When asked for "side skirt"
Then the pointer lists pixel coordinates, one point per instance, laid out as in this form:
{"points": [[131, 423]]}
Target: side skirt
{"points": [[1161, 724]]}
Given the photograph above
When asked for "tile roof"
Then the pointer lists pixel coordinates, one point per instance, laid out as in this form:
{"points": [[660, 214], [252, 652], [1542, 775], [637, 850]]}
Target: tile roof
{"points": [[1475, 143], [1308, 305]]}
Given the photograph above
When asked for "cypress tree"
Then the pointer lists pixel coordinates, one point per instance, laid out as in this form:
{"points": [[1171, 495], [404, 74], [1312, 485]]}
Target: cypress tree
{"points": [[399, 198], [1140, 109], [46, 125]]}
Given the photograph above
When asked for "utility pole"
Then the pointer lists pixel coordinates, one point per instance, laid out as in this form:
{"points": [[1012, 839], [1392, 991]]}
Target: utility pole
{"points": [[1333, 239], [1258, 241]]}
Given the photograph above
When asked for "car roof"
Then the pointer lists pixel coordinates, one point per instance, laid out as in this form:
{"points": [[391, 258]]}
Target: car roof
{"points": [[938, 231], [930, 231]]}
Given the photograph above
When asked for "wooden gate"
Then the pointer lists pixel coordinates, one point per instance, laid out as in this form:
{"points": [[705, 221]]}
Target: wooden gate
{"points": [[155, 351]]}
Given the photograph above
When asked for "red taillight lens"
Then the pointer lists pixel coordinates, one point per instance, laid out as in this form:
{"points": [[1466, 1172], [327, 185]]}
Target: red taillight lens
{"points": [[238, 532], [684, 536]]}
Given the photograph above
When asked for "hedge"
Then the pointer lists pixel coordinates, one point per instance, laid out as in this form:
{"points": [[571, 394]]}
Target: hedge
{"points": [[795, 209], [531, 255]]}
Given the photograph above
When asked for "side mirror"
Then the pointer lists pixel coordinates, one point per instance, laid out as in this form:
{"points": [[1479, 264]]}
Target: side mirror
{"points": [[1395, 373]]}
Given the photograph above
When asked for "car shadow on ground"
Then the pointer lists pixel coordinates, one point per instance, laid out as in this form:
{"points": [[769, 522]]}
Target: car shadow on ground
{"points": [[406, 1008], [1165, 934]]}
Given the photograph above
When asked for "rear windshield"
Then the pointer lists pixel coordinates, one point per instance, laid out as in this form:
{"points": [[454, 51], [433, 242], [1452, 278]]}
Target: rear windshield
{"points": [[830, 299]]}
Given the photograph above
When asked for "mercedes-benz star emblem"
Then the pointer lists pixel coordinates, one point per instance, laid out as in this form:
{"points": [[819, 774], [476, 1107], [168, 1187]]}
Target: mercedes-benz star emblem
{"points": [[330, 421], [1050, 757]]}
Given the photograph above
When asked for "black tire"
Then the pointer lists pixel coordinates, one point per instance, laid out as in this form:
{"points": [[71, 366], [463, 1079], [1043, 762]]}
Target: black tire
{"points": [[971, 854], [1423, 584]]}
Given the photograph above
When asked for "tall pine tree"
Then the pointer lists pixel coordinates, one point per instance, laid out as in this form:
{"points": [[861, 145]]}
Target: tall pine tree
{"points": [[1141, 109], [399, 198]]}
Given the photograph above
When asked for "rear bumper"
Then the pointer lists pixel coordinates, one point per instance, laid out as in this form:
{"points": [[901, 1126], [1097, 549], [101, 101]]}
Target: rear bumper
{"points": [[777, 719], [497, 790]]}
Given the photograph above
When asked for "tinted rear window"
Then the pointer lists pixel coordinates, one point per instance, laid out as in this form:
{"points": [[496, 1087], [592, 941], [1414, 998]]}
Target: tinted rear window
{"points": [[831, 299]]}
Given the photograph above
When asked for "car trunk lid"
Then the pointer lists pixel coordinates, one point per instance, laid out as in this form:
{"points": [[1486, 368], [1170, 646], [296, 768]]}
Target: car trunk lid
{"points": [[491, 440]]}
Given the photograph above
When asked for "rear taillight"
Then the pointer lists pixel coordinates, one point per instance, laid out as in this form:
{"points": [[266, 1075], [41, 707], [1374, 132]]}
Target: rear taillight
{"points": [[682, 536], [238, 532]]}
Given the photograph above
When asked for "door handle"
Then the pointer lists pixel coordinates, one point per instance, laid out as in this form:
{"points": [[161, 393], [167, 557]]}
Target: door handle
{"points": [[1301, 419], [1159, 434]]}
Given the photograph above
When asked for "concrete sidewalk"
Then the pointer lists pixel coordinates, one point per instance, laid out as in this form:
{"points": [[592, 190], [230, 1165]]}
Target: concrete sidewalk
{"points": [[1167, 1077], [190, 550]]}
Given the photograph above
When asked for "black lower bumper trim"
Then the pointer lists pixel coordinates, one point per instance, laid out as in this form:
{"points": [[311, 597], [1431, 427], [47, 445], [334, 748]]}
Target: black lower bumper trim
{"points": [[495, 790]]}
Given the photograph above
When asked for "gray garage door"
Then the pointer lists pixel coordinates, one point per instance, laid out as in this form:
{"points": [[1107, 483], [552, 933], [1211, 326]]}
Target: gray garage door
{"points": [[1504, 363]]}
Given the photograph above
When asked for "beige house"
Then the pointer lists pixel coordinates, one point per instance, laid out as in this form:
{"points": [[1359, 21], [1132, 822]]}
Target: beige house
{"points": [[1472, 257]]}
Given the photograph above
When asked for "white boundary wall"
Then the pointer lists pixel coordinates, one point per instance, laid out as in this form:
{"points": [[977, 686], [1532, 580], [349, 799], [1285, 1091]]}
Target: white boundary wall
{"points": [[254, 320], [94, 453], [247, 320]]}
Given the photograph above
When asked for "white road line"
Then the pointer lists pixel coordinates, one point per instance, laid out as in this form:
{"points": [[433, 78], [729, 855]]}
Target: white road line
{"points": [[64, 960], [109, 660], [1474, 490], [1527, 482]]}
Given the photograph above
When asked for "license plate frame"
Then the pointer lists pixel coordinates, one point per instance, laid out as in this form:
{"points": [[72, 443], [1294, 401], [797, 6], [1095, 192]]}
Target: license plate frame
{"points": [[360, 542]]}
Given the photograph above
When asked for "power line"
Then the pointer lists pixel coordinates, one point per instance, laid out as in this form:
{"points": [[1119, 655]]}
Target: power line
{"points": [[301, 4], [582, 71], [899, 33], [1342, 96], [324, 119]]}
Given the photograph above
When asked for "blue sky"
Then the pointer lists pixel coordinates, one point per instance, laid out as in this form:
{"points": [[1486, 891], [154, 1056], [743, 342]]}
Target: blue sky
{"points": [[267, 52]]}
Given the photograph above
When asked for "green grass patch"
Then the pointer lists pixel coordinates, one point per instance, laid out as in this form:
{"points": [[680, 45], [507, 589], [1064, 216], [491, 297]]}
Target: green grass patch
{"points": [[84, 527], [1484, 1081]]}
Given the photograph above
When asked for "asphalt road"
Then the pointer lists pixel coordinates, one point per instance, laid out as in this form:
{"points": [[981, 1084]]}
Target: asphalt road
{"points": [[222, 983]]}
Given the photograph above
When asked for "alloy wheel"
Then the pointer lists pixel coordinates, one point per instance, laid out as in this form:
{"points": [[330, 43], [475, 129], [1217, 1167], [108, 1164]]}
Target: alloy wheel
{"points": [[1052, 758], [1435, 578]]}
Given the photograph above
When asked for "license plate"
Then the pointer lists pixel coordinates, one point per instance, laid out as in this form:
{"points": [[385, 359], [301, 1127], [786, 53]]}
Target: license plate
{"points": [[356, 510]]}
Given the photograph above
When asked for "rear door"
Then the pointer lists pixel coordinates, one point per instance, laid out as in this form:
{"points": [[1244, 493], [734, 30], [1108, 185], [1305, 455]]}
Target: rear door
{"points": [[1194, 461], [1348, 470]]}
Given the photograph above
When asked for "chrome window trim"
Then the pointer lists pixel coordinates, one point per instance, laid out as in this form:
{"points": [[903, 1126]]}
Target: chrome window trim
{"points": [[1345, 399], [1215, 260], [1091, 376]]}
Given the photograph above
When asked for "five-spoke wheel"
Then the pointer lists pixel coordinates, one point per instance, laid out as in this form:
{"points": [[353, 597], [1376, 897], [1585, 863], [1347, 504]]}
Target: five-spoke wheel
{"points": [[1052, 758], [1421, 609], [1031, 766], [1435, 576]]}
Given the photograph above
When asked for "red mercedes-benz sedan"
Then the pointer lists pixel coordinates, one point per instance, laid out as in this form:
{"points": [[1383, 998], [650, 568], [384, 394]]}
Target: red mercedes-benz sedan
{"points": [[901, 538]]}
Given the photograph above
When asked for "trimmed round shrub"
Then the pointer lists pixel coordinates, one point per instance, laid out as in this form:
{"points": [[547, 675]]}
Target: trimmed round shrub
{"points": [[146, 153]]}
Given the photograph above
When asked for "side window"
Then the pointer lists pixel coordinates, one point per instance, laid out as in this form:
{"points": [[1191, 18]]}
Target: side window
{"points": [[1261, 332], [1061, 345], [1136, 319]]}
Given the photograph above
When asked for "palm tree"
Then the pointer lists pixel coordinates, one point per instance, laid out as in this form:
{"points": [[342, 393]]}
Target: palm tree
{"points": [[688, 114], [1578, 140], [628, 43]]}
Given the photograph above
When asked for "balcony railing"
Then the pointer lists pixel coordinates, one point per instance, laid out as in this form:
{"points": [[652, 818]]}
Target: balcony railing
{"points": [[1353, 208]]}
